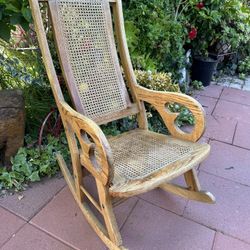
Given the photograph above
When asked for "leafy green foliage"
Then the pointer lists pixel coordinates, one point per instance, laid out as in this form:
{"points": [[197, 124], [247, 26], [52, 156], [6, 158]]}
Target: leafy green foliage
{"points": [[156, 81], [25, 71], [185, 115], [32, 163], [155, 122], [13, 12], [244, 66], [155, 38], [218, 21], [119, 126], [197, 85], [163, 82]]}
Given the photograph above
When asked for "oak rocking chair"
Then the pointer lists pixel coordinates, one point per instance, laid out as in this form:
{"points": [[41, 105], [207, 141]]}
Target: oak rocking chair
{"points": [[131, 163]]}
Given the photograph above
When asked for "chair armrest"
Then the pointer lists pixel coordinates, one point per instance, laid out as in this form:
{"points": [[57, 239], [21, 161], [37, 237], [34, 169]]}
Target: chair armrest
{"points": [[160, 100], [95, 153]]}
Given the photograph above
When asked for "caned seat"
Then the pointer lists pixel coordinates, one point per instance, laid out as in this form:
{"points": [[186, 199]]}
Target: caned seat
{"points": [[141, 154], [91, 58]]}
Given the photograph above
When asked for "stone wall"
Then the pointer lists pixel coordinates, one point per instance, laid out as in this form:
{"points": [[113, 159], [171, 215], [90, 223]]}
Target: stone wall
{"points": [[12, 124]]}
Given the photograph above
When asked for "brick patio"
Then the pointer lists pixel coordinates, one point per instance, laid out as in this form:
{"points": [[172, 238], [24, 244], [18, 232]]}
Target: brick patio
{"points": [[48, 218]]}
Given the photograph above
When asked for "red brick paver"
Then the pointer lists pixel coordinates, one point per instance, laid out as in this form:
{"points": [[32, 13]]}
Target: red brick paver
{"points": [[229, 162], [224, 242], [230, 214], [34, 239], [33, 199], [211, 91], [236, 95], [9, 225], [165, 200], [232, 110], [63, 219], [150, 227], [208, 103], [242, 134], [220, 128]]}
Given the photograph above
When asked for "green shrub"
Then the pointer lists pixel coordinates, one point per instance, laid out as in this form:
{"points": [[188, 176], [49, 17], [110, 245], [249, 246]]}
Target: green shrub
{"points": [[197, 85], [159, 81], [213, 23], [155, 37], [244, 66]]}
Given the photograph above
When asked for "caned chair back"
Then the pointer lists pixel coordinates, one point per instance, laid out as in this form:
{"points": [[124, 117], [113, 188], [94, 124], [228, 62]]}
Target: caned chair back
{"points": [[84, 35]]}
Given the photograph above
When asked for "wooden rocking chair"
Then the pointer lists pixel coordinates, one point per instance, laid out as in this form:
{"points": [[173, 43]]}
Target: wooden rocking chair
{"points": [[131, 163]]}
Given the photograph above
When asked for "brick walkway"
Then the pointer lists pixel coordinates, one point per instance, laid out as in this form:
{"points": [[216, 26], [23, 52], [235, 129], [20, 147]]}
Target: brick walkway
{"points": [[48, 218]]}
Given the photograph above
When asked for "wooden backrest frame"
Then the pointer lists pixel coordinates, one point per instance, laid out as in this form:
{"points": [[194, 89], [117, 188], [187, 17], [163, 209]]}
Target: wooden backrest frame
{"points": [[136, 108]]}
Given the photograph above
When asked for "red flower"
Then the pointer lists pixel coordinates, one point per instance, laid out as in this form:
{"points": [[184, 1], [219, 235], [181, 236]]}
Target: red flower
{"points": [[192, 34], [200, 5]]}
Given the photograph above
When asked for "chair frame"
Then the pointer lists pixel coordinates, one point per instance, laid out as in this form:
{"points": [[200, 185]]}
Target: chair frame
{"points": [[76, 125]]}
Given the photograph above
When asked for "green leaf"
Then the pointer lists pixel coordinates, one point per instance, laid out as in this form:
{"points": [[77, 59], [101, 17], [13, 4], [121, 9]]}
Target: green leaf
{"points": [[5, 176], [27, 14], [17, 176], [24, 24], [5, 31], [26, 168], [1, 13], [19, 159], [34, 176], [2, 170], [6, 180], [131, 34], [16, 19], [11, 7], [44, 168]]}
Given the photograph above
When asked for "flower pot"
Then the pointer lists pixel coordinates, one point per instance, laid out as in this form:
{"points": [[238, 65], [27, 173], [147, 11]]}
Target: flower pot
{"points": [[202, 69]]}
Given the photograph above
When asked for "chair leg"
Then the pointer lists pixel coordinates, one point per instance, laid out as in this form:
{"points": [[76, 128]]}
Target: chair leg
{"points": [[193, 191], [108, 214], [112, 242], [192, 180]]}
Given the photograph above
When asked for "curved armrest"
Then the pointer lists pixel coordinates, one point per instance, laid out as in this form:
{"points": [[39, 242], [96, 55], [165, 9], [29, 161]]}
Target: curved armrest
{"points": [[96, 155], [160, 100]]}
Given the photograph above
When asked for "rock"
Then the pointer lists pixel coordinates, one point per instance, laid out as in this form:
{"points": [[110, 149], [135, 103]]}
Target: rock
{"points": [[238, 81], [12, 124], [247, 80]]}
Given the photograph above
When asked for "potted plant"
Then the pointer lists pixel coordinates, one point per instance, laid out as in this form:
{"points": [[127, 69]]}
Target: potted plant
{"points": [[213, 28]]}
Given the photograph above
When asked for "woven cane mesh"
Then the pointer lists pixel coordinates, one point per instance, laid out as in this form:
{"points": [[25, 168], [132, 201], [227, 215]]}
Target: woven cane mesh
{"points": [[140, 153], [88, 38]]}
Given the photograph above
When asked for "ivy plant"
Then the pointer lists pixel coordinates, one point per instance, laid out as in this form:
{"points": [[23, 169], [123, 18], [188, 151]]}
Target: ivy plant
{"points": [[32, 163]]}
